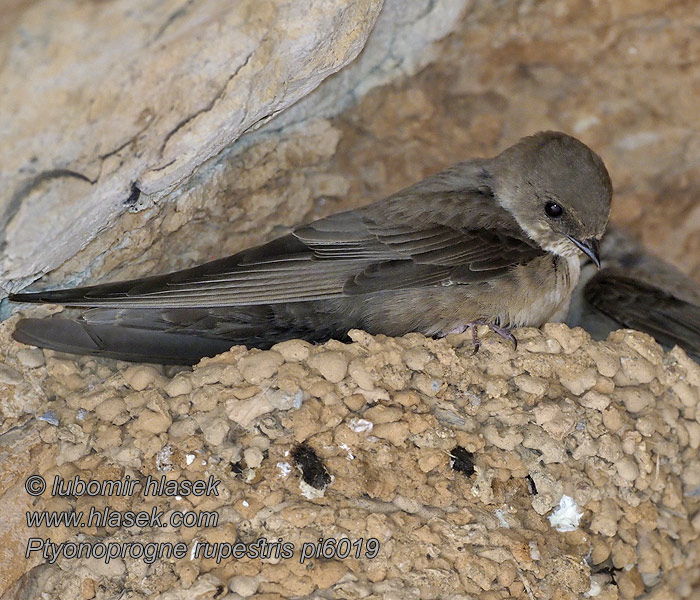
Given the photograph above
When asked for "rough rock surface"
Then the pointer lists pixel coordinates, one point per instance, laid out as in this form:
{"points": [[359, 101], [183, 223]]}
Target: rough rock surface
{"points": [[400, 44], [614, 426]]}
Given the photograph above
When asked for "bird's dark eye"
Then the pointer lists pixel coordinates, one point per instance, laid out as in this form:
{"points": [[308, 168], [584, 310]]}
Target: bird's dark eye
{"points": [[553, 210]]}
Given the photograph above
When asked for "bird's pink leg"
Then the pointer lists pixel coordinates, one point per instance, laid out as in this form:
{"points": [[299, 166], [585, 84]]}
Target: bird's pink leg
{"points": [[503, 332]]}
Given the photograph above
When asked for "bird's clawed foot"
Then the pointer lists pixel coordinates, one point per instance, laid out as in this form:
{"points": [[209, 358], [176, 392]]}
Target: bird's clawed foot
{"points": [[503, 332]]}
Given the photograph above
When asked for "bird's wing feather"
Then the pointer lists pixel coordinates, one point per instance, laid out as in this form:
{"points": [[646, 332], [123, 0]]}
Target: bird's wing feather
{"points": [[639, 305], [114, 341], [355, 252]]}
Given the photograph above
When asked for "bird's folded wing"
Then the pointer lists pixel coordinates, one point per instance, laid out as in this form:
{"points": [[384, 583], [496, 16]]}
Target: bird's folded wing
{"points": [[349, 253], [115, 341], [645, 307]]}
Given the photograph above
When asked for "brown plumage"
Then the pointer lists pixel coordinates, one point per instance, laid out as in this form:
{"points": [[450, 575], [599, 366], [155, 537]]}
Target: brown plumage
{"points": [[634, 289], [487, 239]]}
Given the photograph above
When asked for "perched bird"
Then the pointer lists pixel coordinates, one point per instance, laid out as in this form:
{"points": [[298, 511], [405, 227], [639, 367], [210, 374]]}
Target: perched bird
{"points": [[492, 241], [634, 289]]}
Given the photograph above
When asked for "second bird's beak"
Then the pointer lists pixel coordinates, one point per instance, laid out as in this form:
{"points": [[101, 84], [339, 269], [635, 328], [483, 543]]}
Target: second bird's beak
{"points": [[591, 248]]}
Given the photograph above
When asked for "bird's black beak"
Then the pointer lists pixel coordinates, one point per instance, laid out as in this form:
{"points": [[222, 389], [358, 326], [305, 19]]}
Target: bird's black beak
{"points": [[590, 247]]}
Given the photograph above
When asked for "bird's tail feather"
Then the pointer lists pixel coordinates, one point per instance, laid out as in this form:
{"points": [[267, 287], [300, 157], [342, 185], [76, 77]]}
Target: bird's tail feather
{"points": [[123, 343]]}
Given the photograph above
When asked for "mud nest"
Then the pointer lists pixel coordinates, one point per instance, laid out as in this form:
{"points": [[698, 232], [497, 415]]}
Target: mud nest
{"points": [[563, 468]]}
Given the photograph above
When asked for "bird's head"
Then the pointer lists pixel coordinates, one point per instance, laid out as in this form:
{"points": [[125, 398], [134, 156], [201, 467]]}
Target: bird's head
{"points": [[557, 189]]}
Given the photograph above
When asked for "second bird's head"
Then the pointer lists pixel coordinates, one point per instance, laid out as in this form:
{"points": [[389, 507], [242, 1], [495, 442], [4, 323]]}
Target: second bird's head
{"points": [[558, 190]]}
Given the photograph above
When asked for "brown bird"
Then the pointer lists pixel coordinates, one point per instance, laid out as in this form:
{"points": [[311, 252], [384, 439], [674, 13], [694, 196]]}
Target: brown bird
{"points": [[492, 241], [636, 290]]}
